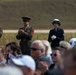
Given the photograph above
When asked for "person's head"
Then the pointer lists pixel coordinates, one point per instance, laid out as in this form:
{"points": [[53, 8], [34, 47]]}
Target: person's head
{"points": [[26, 21], [37, 49], [65, 45], [25, 63], [48, 49], [10, 71], [72, 42], [56, 54], [13, 48], [56, 23], [70, 62]]}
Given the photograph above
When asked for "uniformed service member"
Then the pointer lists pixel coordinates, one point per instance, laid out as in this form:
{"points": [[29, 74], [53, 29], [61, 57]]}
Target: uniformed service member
{"points": [[25, 35], [56, 34], [1, 32]]}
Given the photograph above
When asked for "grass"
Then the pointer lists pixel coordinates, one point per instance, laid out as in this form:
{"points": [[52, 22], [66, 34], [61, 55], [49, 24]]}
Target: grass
{"points": [[6, 38], [42, 13]]}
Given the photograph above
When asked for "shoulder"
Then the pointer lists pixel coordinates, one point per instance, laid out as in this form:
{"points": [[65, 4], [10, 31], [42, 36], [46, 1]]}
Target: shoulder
{"points": [[31, 28], [60, 29], [51, 30], [21, 28]]}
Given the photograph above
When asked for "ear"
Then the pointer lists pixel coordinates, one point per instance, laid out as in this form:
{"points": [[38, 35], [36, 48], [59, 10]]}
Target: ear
{"points": [[42, 51]]}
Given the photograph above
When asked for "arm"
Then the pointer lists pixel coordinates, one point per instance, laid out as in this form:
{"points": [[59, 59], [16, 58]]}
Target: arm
{"points": [[19, 35], [25, 34], [49, 36], [28, 35], [61, 36]]}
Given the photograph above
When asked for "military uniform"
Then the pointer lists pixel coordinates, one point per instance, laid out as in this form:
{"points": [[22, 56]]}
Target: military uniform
{"points": [[25, 38], [58, 33]]}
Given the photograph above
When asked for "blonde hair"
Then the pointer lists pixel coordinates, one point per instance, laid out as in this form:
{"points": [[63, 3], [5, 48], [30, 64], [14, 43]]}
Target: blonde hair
{"points": [[47, 44]]}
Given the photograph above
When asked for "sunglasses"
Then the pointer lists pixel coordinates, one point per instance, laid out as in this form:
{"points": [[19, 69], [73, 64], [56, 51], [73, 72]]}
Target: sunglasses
{"points": [[34, 49], [54, 54]]}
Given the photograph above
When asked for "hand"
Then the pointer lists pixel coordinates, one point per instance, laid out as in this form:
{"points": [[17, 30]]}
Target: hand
{"points": [[21, 31], [53, 37], [43, 66]]}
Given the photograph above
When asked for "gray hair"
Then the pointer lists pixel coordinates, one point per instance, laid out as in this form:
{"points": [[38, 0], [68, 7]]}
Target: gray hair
{"points": [[65, 45], [10, 71], [41, 45]]}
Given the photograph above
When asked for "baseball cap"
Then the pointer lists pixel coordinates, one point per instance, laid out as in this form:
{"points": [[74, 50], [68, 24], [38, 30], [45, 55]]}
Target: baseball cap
{"points": [[25, 60]]}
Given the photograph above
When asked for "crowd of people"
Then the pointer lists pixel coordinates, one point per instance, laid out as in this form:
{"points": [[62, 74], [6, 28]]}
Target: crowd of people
{"points": [[53, 56]]}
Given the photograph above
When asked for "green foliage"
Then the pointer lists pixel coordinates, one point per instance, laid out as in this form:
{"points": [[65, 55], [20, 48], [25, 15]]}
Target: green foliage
{"points": [[42, 13], [6, 38]]}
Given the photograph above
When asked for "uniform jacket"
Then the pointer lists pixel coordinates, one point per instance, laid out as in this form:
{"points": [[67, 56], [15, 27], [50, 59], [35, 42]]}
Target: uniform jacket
{"points": [[59, 37], [25, 39]]}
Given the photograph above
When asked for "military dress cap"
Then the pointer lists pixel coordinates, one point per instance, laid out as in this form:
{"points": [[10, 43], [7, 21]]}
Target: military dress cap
{"points": [[26, 19], [56, 21]]}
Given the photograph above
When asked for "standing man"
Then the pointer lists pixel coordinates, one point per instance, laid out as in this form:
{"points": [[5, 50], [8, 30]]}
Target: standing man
{"points": [[25, 36], [56, 35]]}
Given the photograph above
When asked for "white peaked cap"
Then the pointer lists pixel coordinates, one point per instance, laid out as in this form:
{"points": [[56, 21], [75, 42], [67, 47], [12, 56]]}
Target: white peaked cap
{"points": [[56, 19], [25, 60]]}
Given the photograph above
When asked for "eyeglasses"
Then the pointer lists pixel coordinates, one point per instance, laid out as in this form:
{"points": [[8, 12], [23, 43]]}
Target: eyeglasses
{"points": [[54, 54], [34, 49]]}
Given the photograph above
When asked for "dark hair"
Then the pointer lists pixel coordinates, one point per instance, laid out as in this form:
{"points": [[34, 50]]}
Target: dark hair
{"points": [[60, 50], [56, 22], [57, 48], [14, 46]]}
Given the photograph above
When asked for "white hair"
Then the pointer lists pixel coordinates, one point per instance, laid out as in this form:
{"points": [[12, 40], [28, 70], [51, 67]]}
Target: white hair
{"points": [[46, 43], [10, 71], [41, 45], [65, 44]]}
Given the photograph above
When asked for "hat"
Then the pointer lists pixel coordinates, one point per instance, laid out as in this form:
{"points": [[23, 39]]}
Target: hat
{"points": [[25, 60], [26, 19], [56, 21]]}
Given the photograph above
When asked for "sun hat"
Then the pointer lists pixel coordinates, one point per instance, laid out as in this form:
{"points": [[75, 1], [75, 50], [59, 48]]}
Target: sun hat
{"points": [[25, 60]]}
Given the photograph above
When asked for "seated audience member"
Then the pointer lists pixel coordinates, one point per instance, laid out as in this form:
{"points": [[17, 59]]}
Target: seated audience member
{"points": [[38, 53], [25, 63], [57, 67], [48, 50], [10, 71], [65, 45], [70, 62], [13, 51], [57, 57]]}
